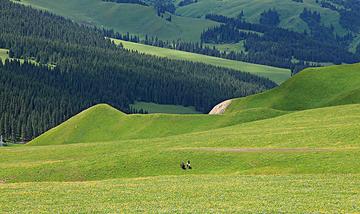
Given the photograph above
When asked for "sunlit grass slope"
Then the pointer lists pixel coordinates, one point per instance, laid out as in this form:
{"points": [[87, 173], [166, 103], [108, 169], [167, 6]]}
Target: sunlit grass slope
{"points": [[104, 123], [312, 88], [278, 75], [318, 141], [250, 160]]}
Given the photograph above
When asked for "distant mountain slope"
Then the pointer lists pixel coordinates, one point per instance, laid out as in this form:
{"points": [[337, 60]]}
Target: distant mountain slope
{"points": [[278, 75], [289, 11], [143, 20], [312, 88], [299, 38], [133, 18]]}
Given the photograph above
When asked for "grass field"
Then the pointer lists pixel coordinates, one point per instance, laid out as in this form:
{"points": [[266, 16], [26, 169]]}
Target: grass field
{"points": [[166, 109], [175, 194], [278, 75], [255, 160]]}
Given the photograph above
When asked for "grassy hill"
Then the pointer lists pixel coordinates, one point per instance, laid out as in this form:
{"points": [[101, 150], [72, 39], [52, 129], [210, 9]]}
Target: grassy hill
{"points": [[103, 123], [312, 153], [313, 141], [312, 88], [252, 159], [278, 75]]}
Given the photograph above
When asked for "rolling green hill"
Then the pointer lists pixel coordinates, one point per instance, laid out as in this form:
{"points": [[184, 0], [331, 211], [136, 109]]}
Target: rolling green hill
{"points": [[312, 88], [104, 123], [277, 75], [313, 153], [252, 159]]}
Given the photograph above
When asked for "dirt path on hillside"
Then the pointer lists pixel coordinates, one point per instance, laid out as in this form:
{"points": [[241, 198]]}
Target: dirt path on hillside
{"points": [[245, 150], [220, 108]]}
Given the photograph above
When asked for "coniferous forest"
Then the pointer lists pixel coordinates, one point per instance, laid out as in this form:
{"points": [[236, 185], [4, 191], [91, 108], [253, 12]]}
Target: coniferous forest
{"points": [[67, 67]]}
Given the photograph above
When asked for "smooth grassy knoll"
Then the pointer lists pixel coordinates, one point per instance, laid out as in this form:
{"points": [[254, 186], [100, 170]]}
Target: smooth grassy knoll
{"points": [[165, 109], [133, 18], [312, 88], [275, 74], [104, 123]]}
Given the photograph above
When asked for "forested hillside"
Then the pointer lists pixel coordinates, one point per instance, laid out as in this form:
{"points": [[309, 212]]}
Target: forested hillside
{"points": [[89, 69], [294, 34]]}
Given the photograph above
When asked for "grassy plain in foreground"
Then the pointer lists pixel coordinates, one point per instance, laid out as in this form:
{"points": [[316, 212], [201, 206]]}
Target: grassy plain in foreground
{"points": [[189, 194]]}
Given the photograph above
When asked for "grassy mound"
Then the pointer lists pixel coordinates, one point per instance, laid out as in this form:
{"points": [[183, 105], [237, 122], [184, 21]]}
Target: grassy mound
{"points": [[103, 123], [312, 88]]}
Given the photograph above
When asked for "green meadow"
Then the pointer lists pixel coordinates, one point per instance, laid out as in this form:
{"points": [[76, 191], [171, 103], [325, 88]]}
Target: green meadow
{"points": [[278, 75], [279, 157], [169, 194]]}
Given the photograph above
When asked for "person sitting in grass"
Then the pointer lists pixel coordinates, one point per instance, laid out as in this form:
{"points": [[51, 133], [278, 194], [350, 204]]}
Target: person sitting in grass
{"points": [[182, 165], [188, 164]]}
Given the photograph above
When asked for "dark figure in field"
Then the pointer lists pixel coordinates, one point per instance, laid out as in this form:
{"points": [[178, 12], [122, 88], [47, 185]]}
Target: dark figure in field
{"points": [[188, 165], [182, 165]]}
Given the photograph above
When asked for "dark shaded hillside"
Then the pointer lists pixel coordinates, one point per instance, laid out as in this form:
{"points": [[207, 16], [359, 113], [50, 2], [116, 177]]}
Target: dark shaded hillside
{"points": [[94, 70]]}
